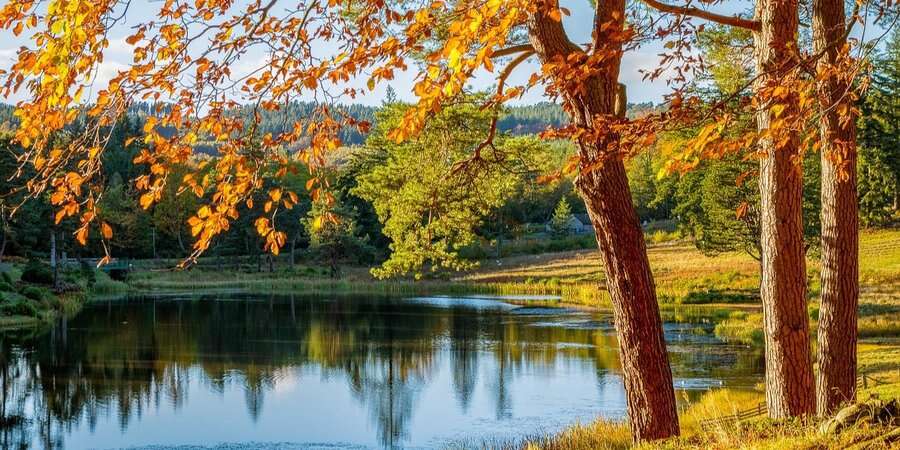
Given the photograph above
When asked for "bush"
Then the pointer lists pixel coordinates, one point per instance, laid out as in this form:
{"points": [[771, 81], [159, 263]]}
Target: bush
{"points": [[16, 305], [33, 292], [6, 287], [6, 277], [36, 272]]}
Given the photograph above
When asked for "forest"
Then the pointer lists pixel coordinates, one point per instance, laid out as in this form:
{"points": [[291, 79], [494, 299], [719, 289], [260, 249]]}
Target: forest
{"points": [[699, 205]]}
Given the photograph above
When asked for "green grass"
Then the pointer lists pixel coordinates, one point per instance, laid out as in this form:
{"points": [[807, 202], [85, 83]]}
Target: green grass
{"points": [[683, 275], [106, 285], [33, 306], [741, 327]]}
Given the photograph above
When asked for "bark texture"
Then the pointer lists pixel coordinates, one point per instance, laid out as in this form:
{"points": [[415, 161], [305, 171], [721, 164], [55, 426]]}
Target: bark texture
{"points": [[790, 388], [836, 379], [645, 365]]}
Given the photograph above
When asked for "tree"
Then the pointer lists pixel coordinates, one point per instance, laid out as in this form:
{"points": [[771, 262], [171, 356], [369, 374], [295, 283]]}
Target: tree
{"points": [[879, 137], [337, 239], [170, 214], [126, 219], [559, 223], [783, 105], [837, 333], [789, 376], [373, 40], [777, 87], [421, 206]]}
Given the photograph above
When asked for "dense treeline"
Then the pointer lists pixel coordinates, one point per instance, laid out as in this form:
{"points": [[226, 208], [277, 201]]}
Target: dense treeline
{"points": [[717, 204]]}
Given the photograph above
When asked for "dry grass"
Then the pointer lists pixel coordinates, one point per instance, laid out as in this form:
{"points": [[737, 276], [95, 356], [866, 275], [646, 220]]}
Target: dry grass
{"points": [[760, 433], [682, 275], [680, 269], [599, 435]]}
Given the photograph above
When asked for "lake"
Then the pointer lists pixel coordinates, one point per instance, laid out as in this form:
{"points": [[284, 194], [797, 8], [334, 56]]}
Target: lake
{"points": [[275, 371]]}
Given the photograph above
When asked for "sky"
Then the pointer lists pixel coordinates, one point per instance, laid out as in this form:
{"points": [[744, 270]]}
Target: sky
{"points": [[578, 25]]}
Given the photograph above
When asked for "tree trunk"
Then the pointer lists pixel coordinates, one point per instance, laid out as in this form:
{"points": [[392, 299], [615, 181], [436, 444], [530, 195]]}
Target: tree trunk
{"points": [[836, 383], [645, 366], [642, 348], [790, 388]]}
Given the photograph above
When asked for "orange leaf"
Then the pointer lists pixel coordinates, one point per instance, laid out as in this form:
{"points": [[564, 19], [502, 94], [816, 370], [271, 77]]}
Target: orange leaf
{"points": [[106, 230], [81, 235]]}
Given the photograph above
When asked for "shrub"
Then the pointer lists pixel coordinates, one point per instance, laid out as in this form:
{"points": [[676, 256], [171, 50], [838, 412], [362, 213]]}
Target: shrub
{"points": [[37, 272], [6, 287], [16, 305], [33, 292], [661, 236], [6, 277]]}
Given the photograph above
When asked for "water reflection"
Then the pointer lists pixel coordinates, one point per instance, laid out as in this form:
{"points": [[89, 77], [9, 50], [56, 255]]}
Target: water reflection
{"points": [[359, 371]]}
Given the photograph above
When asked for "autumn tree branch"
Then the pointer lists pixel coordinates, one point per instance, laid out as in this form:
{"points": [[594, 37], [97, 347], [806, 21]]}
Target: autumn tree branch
{"points": [[512, 50], [525, 53], [734, 21]]}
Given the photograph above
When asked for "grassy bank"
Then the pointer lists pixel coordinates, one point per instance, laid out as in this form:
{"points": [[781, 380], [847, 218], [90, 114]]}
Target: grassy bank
{"points": [[683, 275], [27, 300], [877, 359]]}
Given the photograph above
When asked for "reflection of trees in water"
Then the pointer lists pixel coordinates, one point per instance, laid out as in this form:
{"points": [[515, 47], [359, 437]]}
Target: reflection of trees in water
{"points": [[128, 357], [17, 388], [464, 340]]}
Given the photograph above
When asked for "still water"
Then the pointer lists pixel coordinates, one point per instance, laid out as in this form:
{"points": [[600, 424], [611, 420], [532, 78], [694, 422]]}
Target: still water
{"points": [[241, 371]]}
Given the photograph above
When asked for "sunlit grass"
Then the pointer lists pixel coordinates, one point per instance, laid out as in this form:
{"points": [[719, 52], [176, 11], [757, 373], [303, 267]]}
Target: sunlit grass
{"points": [[756, 433], [683, 275]]}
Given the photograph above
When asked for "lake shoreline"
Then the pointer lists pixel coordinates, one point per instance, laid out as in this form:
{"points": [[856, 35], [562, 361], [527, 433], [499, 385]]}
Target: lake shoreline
{"points": [[71, 303]]}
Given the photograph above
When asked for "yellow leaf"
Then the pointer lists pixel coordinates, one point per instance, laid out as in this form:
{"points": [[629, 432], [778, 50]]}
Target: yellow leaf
{"points": [[146, 200], [778, 110], [275, 194]]}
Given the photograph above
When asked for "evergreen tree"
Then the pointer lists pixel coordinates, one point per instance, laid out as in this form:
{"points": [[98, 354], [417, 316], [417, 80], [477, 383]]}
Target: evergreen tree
{"points": [[559, 223], [429, 192], [879, 139]]}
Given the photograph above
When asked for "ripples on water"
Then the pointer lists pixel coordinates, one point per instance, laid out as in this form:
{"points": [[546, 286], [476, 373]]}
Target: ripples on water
{"points": [[238, 371]]}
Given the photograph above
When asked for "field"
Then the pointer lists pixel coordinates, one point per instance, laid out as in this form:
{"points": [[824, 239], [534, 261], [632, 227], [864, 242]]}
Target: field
{"points": [[683, 275]]}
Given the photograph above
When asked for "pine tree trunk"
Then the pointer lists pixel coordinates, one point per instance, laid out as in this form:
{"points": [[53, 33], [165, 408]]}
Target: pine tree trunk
{"points": [[645, 366], [642, 347], [836, 379], [790, 388]]}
